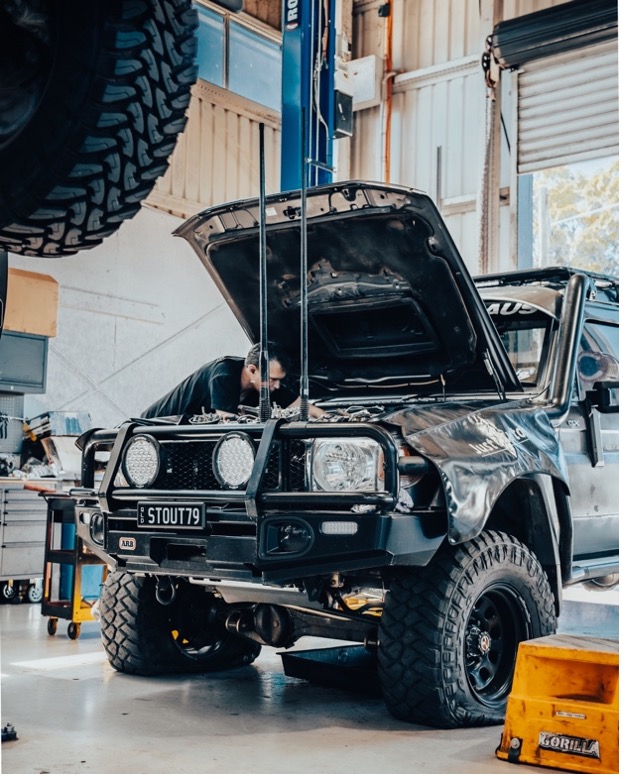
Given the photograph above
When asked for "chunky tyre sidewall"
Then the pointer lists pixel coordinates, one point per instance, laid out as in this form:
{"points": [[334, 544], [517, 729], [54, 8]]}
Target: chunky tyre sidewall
{"points": [[422, 650], [140, 634], [105, 124]]}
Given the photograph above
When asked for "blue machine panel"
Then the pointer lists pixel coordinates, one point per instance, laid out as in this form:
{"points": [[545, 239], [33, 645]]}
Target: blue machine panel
{"points": [[308, 102]]}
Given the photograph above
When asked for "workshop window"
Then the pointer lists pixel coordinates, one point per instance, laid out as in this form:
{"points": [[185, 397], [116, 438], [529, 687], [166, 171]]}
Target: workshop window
{"points": [[569, 216], [238, 57], [211, 47]]}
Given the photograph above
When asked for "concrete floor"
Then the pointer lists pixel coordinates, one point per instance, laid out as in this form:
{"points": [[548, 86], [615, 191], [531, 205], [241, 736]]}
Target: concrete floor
{"points": [[74, 715]]}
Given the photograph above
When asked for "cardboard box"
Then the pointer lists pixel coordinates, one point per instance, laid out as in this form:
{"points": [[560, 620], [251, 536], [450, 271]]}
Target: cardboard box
{"points": [[32, 303]]}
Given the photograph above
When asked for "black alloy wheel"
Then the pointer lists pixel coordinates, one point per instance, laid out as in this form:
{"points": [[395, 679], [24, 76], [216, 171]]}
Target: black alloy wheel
{"points": [[449, 631], [496, 624]]}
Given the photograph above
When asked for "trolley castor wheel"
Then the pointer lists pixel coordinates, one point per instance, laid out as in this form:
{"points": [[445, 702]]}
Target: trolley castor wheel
{"points": [[9, 592], [73, 630], [34, 593], [52, 625]]}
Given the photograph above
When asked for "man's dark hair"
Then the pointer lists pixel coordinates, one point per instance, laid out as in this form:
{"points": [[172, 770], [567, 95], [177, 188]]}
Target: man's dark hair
{"points": [[275, 352]]}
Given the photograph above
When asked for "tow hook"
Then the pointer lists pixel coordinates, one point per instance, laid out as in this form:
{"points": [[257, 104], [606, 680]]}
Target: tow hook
{"points": [[165, 591]]}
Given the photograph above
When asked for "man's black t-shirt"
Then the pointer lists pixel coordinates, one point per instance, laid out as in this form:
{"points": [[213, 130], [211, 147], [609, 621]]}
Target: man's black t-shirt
{"points": [[213, 387]]}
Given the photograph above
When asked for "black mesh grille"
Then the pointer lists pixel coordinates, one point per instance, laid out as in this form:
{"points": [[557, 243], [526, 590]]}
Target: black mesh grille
{"points": [[187, 465], [273, 470], [296, 466]]}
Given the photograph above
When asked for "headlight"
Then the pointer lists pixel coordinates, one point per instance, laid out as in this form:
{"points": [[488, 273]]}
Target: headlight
{"points": [[141, 461], [233, 460], [345, 464]]}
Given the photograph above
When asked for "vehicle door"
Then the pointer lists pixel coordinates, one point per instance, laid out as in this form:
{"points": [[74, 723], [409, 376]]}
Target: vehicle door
{"points": [[590, 441]]}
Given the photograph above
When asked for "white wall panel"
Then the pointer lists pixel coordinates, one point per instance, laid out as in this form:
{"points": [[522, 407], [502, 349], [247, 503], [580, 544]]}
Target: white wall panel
{"points": [[439, 142], [217, 157], [431, 33], [439, 105], [136, 315], [366, 150]]}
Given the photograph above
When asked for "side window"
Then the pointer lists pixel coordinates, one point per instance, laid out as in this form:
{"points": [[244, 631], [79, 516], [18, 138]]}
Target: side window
{"points": [[524, 332], [524, 347], [598, 358]]}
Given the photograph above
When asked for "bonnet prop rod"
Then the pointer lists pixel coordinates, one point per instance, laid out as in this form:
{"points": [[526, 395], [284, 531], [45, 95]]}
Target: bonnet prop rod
{"points": [[303, 273], [264, 401]]}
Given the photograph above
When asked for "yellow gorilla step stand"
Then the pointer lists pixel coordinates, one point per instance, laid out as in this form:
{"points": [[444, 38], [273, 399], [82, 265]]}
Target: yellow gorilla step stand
{"points": [[563, 710]]}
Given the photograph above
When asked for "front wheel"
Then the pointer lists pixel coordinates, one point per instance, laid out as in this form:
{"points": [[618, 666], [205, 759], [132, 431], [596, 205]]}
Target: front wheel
{"points": [[449, 632], [144, 636]]}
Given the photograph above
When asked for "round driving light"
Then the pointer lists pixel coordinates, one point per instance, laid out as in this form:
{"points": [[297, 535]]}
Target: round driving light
{"points": [[96, 528], [233, 460], [141, 461]]}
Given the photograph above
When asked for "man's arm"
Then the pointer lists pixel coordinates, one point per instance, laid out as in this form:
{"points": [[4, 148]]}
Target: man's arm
{"points": [[314, 411]]}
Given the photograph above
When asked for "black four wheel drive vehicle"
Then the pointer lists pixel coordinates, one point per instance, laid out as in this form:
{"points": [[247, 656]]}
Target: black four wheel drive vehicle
{"points": [[464, 471]]}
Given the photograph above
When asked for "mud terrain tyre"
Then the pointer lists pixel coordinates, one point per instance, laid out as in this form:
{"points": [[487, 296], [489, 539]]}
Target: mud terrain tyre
{"points": [[143, 637], [92, 98], [449, 632]]}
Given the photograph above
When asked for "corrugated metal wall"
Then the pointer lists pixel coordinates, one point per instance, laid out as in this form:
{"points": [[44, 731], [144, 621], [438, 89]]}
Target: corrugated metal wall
{"points": [[438, 108], [217, 157]]}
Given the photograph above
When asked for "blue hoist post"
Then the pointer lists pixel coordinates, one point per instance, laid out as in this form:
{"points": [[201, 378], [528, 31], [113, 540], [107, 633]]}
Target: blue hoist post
{"points": [[308, 76]]}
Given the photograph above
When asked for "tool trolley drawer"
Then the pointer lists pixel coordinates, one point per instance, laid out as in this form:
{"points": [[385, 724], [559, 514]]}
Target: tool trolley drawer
{"points": [[22, 532]]}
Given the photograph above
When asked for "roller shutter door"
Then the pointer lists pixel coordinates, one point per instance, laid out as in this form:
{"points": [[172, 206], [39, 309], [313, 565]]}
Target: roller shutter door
{"points": [[568, 107]]}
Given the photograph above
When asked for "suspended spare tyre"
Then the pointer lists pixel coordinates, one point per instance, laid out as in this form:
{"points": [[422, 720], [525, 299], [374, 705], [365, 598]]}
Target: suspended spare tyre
{"points": [[92, 98]]}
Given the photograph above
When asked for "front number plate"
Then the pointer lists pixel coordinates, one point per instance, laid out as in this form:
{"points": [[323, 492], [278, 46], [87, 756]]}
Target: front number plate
{"points": [[171, 515]]}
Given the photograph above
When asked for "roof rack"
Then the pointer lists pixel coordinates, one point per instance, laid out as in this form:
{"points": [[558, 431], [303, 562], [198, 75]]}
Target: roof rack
{"points": [[601, 285]]}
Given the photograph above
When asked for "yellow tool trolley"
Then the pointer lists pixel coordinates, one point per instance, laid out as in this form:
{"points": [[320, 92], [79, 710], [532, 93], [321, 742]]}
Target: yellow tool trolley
{"points": [[65, 561]]}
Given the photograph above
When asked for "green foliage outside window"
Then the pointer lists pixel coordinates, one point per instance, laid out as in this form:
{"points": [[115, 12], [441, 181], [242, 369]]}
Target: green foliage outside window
{"points": [[576, 216]]}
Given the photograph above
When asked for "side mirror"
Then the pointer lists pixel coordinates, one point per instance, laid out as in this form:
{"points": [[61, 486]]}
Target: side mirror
{"points": [[605, 396], [599, 373]]}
